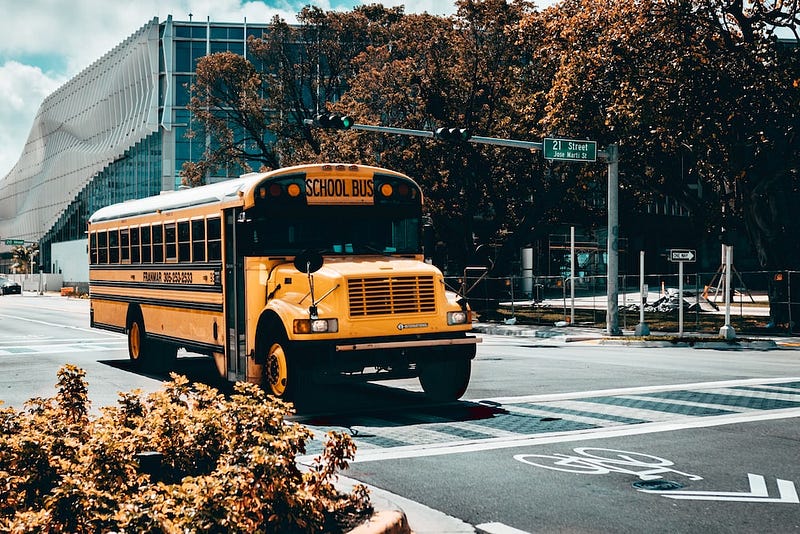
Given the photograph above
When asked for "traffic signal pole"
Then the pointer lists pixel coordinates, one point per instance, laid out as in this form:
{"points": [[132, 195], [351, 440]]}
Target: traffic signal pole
{"points": [[610, 155]]}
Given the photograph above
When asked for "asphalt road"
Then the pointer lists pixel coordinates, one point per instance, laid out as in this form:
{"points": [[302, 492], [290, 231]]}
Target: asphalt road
{"points": [[550, 437]]}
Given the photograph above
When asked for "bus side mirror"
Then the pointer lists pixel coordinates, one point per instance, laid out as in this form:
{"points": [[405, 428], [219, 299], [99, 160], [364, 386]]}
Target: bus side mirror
{"points": [[308, 261]]}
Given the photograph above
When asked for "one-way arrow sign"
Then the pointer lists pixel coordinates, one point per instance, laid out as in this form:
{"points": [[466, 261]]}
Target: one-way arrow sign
{"points": [[680, 254], [787, 492]]}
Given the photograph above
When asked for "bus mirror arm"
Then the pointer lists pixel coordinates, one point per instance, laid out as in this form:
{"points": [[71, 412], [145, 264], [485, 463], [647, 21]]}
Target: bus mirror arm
{"points": [[312, 310], [309, 262]]}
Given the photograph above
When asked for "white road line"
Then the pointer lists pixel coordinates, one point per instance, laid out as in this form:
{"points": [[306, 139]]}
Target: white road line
{"points": [[748, 393], [628, 412], [498, 528], [466, 446], [693, 404], [635, 390], [595, 421], [78, 328]]}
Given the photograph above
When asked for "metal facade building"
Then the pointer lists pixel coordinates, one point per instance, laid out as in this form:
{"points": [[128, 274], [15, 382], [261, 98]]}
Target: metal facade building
{"points": [[115, 132]]}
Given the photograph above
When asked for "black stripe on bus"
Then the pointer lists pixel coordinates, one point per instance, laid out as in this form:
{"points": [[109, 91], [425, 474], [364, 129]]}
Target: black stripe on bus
{"points": [[180, 304], [111, 327], [201, 288], [187, 344]]}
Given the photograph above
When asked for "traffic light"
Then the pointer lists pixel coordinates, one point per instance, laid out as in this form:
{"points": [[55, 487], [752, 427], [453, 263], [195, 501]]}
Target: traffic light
{"points": [[334, 121], [454, 135]]}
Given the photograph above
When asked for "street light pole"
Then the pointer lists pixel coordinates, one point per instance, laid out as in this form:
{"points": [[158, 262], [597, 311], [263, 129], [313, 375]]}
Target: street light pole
{"points": [[612, 283]]}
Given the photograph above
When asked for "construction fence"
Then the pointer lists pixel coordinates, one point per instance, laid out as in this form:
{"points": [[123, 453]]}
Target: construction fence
{"points": [[545, 298]]}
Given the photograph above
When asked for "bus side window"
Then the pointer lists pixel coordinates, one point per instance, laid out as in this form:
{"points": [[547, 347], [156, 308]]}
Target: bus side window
{"points": [[93, 248], [147, 251], [198, 240], [170, 242], [158, 243], [184, 242], [102, 247], [214, 235], [125, 246], [113, 246], [135, 255]]}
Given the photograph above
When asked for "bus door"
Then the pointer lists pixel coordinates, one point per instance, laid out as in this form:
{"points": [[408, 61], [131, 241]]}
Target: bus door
{"points": [[234, 300]]}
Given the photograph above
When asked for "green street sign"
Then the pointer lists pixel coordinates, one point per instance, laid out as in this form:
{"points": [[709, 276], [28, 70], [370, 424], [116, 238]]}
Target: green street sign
{"points": [[570, 149], [15, 241]]}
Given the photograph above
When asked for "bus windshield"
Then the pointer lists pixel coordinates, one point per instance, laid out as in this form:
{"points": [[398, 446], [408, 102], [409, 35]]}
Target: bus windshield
{"points": [[334, 231]]}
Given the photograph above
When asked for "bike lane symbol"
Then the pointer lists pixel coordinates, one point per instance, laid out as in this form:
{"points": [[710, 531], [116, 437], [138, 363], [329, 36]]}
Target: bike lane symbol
{"points": [[597, 461]]}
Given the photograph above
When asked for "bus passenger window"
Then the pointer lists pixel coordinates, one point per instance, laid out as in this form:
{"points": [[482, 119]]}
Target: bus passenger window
{"points": [[102, 247], [170, 244], [184, 243], [147, 251], [198, 240], [113, 246], [158, 243], [124, 246], [93, 248], [135, 256], [214, 232]]}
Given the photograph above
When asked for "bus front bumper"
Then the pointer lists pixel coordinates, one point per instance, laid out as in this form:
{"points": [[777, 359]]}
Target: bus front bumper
{"points": [[408, 344]]}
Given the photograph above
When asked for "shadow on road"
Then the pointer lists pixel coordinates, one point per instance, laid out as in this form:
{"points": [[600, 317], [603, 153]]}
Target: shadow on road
{"points": [[340, 404]]}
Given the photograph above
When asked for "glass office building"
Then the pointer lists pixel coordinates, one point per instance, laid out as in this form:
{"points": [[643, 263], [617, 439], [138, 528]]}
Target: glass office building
{"points": [[114, 132]]}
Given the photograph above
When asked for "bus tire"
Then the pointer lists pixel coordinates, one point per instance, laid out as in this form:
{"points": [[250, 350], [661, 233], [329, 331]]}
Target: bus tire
{"points": [[445, 378], [137, 350], [281, 370]]}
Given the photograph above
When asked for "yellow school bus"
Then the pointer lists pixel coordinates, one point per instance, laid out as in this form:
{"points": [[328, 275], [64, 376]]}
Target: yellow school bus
{"points": [[287, 278]]}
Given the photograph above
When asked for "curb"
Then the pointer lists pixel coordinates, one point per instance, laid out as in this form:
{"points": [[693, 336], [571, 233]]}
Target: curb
{"points": [[384, 522], [564, 335]]}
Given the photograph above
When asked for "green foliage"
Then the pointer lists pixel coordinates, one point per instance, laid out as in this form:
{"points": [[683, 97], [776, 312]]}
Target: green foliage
{"points": [[228, 464]]}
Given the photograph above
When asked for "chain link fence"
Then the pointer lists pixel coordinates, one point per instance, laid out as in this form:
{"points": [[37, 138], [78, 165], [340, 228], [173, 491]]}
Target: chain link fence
{"points": [[759, 300]]}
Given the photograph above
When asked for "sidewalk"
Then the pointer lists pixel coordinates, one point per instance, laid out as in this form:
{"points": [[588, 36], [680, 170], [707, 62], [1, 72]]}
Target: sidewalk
{"points": [[569, 334]]}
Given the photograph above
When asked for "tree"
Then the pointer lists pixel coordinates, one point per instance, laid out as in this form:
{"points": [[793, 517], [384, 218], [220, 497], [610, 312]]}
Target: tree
{"points": [[252, 110], [24, 256], [666, 76], [447, 72], [228, 103]]}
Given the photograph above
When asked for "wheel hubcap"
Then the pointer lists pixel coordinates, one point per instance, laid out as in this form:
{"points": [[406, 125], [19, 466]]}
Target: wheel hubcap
{"points": [[277, 373], [136, 341]]}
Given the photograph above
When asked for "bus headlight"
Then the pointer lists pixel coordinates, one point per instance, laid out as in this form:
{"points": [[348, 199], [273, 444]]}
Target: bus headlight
{"points": [[457, 317], [315, 326]]}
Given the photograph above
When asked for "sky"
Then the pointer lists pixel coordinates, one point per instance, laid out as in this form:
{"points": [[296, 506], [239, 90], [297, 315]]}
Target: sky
{"points": [[44, 43]]}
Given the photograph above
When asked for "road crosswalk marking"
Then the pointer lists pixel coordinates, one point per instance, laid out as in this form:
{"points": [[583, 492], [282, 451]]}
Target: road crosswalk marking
{"points": [[582, 415]]}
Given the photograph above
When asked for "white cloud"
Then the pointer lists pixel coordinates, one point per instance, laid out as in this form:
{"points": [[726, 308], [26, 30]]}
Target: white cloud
{"points": [[22, 88]]}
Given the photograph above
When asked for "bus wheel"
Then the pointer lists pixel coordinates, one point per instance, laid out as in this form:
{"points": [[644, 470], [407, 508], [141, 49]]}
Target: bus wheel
{"points": [[136, 342], [446, 378], [276, 370]]}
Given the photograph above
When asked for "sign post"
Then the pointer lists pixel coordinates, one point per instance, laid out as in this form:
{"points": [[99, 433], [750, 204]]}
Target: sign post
{"points": [[642, 329], [681, 256]]}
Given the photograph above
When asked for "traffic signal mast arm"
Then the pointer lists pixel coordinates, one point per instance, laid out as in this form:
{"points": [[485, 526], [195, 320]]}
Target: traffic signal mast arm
{"points": [[515, 143]]}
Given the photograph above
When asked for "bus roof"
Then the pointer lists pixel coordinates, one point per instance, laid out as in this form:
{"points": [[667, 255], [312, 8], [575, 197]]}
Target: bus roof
{"points": [[212, 193]]}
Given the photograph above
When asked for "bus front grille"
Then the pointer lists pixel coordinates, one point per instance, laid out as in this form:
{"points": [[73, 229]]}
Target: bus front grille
{"points": [[391, 295]]}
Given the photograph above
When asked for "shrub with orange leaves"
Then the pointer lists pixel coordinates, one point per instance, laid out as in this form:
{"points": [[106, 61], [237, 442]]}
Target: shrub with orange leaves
{"points": [[227, 464]]}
